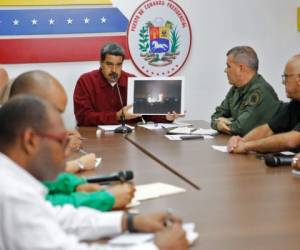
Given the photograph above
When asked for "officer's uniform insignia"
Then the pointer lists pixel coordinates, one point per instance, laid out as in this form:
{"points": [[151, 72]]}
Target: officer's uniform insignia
{"points": [[254, 98]]}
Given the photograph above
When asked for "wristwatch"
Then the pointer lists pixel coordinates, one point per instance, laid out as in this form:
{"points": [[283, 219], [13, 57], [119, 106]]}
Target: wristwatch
{"points": [[130, 223]]}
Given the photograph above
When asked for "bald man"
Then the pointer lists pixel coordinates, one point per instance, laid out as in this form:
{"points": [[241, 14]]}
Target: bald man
{"points": [[283, 130], [42, 84], [4, 82]]}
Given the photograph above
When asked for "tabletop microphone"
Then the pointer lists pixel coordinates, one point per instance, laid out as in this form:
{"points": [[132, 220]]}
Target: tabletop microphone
{"points": [[276, 161], [123, 129], [121, 176]]}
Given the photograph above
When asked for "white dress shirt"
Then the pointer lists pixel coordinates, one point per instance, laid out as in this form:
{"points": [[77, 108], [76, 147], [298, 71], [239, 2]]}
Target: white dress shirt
{"points": [[28, 222]]}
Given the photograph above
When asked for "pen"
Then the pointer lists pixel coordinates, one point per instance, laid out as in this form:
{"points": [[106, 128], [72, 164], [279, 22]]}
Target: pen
{"points": [[188, 137], [82, 151], [193, 130], [168, 220]]}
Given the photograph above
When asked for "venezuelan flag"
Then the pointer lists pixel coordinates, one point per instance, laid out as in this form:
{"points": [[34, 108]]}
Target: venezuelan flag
{"points": [[51, 2], [57, 31]]}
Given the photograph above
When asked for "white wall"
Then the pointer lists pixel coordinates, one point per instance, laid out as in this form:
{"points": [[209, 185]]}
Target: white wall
{"points": [[269, 26]]}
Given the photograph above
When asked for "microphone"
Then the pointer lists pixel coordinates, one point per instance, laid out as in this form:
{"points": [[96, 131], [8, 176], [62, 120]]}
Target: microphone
{"points": [[123, 129], [276, 161], [121, 176]]}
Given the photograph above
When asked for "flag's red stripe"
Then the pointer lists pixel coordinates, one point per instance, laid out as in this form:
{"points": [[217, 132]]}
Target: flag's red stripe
{"points": [[39, 50]]}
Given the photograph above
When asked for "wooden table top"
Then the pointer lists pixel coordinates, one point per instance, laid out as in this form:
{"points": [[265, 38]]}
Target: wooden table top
{"points": [[241, 204]]}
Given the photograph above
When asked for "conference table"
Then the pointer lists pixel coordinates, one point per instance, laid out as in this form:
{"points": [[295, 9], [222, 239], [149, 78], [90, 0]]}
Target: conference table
{"points": [[235, 201]]}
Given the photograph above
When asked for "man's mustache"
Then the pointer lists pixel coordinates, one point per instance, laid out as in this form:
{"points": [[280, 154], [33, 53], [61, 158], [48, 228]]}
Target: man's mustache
{"points": [[114, 75]]}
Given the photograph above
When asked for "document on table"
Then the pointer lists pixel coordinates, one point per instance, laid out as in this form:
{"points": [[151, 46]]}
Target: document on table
{"points": [[129, 239], [154, 126], [155, 190], [193, 131], [287, 153], [111, 128], [181, 130], [220, 148], [205, 131]]}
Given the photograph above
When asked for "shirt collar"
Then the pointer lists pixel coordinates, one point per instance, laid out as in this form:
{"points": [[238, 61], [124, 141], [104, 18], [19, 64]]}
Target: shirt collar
{"points": [[113, 84], [21, 175], [244, 89]]}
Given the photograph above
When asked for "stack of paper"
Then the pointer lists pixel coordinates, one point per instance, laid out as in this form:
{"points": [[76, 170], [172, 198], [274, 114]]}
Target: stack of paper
{"points": [[205, 131], [189, 133], [193, 131], [155, 190], [287, 153], [220, 148], [181, 130], [130, 239], [154, 126], [152, 191]]}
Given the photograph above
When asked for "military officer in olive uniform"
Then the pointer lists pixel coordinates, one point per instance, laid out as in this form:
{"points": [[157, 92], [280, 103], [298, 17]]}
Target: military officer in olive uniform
{"points": [[282, 132], [251, 101]]}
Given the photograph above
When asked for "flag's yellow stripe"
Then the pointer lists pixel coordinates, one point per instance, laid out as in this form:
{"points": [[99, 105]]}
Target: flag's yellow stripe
{"points": [[51, 2], [298, 18]]}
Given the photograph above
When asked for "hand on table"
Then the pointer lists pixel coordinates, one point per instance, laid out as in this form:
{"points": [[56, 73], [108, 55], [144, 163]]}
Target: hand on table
{"points": [[223, 125]]}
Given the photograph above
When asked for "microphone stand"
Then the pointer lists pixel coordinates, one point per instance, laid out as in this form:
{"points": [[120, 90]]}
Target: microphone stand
{"points": [[123, 129]]}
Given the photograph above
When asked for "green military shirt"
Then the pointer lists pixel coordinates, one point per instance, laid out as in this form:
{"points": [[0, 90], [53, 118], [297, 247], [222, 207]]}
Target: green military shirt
{"points": [[248, 106], [63, 191]]}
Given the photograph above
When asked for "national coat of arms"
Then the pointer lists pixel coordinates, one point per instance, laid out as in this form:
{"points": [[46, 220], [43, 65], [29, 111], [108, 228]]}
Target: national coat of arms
{"points": [[159, 38]]}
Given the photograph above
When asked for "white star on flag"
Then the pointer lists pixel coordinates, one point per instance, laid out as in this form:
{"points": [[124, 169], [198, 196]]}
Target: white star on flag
{"points": [[70, 21], [34, 21], [15, 22], [34, 29], [51, 21], [103, 20]]}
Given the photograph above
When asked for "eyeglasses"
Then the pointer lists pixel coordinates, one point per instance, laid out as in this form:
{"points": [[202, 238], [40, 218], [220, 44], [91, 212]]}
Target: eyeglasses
{"points": [[284, 77], [62, 138]]}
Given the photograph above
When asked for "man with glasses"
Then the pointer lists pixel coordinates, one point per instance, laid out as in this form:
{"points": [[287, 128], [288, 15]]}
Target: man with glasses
{"points": [[251, 101], [282, 132], [44, 85], [68, 188], [33, 144], [96, 97]]}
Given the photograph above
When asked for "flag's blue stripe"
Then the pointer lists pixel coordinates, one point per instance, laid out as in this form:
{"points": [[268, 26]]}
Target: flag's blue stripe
{"points": [[115, 21]]}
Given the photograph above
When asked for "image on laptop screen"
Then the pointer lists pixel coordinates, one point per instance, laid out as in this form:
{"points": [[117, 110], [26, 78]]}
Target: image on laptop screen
{"points": [[156, 96]]}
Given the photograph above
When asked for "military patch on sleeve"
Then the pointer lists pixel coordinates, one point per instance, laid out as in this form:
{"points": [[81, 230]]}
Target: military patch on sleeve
{"points": [[254, 98]]}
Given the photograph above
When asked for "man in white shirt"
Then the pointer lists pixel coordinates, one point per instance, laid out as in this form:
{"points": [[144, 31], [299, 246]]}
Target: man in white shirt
{"points": [[32, 149]]}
